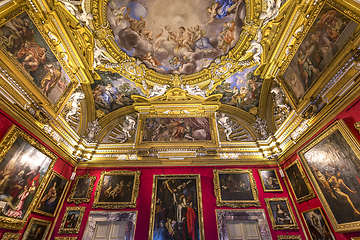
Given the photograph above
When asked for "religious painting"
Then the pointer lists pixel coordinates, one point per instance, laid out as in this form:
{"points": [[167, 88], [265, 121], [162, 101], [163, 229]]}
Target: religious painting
{"points": [[117, 189], [328, 33], [317, 225], [176, 202], [11, 236], [241, 90], [72, 220], [50, 200], [281, 215], [299, 182], [112, 92], [26, 47], [270, 180], [235, 188], [333, 164], [82, 189], [25, 166], [37, 229], [173, 41]]}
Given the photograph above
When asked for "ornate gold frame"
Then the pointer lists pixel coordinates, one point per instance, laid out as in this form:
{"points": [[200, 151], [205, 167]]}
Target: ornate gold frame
{"points": [[117, 205], [12, 134], [355, 146], [235, 203], [65, 238], [40, 222], [11, 236], [63, 230], [214, 142], [277, 178], [306, 180], [77, 201], [271, 215], [199, 201], [284, 237], [60, 198], [322, 214]]}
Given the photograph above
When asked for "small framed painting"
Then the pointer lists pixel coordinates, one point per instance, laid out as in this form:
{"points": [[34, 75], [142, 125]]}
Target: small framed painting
{"points": [[281, 215], [72, 220], [317, 225], [82, 189], [37, 229], [270, 180], [11, 236]]}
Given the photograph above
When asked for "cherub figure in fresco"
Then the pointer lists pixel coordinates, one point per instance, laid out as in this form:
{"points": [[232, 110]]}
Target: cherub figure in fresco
{"points": [[183, 39], [226, 36], [152, 60], [222, 8], [165, 35]]}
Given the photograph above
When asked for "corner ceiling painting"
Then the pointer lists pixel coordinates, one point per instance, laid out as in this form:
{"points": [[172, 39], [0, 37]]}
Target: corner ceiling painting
{"points": [[181, 36], [327, 35], [22, 41]]}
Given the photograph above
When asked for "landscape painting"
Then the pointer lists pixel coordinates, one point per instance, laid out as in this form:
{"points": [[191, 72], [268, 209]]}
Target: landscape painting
{"points": [[327, 35], [184, 38], [332, 161], [241, 90], [21, 40]]}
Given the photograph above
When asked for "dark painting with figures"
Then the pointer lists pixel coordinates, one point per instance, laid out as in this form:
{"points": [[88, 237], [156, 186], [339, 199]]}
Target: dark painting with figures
{"points": [[327, 35], [176, 207], [21, 172], [317, 225], [280, 213], [176, 129], [22, 40], [49, 201], [270, 180], [72, 219], [117, 189], [82, 188], [336, 169], [235, 187]]}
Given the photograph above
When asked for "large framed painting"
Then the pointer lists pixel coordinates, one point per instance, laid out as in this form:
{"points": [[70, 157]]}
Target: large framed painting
{"points": [[184, 129], [11, 236], [37, 229], [281, 215], [299, 182], [270, 180], [317, 225], [327, 36], [333, 164], [82, 189], [235, 188], [25, 168], [72, 220], [28, 50], [117, 189], [176, 201], [51, 198]]}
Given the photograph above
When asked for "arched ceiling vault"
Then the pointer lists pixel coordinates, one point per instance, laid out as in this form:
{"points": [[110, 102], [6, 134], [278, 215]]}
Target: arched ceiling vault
{"points": [[148, 83]]}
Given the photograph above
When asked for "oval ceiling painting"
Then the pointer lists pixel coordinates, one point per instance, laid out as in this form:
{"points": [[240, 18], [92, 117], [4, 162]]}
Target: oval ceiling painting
{"points": [[180, 36]]}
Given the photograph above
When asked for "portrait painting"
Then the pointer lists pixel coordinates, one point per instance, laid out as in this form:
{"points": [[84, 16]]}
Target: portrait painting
{"points": [[235, 188], [317, 225], [117, 189], [281, 215], [49, 201], [327, 35], [10, 236], [241, 90], [82, 189], [270, 180], [37, 229], [332, 161], [176, 208], [299, 182], [72, 220], [22, 42], [24, 165]]}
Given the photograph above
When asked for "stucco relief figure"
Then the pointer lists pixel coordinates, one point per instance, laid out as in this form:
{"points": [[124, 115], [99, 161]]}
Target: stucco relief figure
{"points": [[127, 126], [73, 104], [83, 17], [93, 128], [99, 56], [158, 90], [226, 123]]}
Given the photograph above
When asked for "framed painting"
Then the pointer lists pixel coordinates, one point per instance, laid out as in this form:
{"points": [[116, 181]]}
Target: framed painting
{"points": [[25, 167], [332, 161], [299, 182], [72, 220], [176, 200], [37, 229], [184, 129], [270, 180], [284, 237], [28, 50], [82, 189], [117, 189], [317, 225], [11, 236], [66, 238], [281, 215], [328, 32], [235, 188], [50, 199]]}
